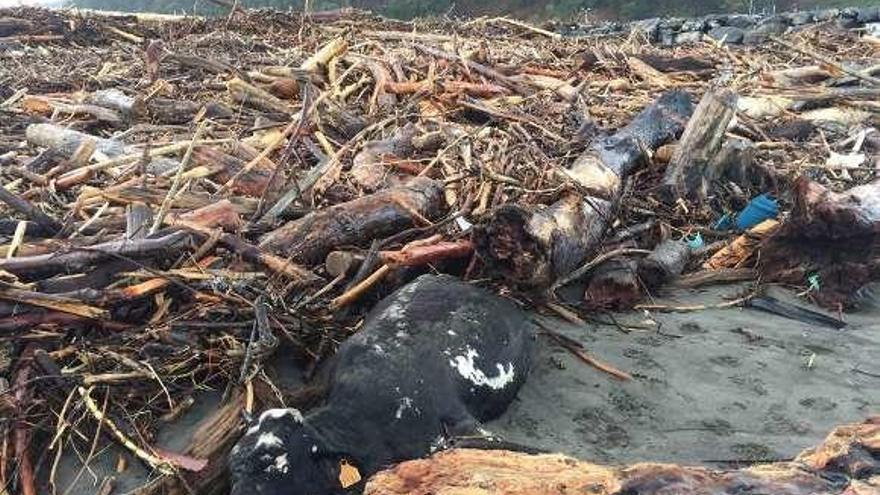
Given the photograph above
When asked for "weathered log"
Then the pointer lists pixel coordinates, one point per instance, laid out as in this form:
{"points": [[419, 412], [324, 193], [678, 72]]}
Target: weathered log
{"points": [[30, 211], [533, 245], [309, 239], [690, 171], [665, 264], [117, 100], [846, 462], [831, 237], [78, 258], [248, 94], [68, 141]]}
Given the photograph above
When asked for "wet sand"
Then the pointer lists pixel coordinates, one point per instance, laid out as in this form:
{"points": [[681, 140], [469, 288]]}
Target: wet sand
{"points": [[709, 387]]}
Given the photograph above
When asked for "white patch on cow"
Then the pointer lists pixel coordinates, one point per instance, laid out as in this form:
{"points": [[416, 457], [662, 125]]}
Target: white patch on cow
{"points": [[280, 465], [468, 369], [401, 334], [403, 404], [451, 333], [378, 349], [281, 413], [486, 433], [314, 449], [252, 430], [268, 440], [439, 443]]}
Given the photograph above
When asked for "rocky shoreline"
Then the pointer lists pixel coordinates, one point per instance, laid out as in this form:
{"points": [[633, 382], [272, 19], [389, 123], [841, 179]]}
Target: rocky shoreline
{"points": [[730, 28]]}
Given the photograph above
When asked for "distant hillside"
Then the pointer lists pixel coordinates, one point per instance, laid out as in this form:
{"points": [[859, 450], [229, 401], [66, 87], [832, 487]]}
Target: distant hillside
{"points": [[533, 9]]}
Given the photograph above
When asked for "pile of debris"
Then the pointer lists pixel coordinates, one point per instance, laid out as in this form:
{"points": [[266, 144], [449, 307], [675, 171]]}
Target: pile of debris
{"points": [[184, 196]]}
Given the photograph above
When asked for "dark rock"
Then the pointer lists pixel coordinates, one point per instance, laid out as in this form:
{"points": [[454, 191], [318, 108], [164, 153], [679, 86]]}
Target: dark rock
{"points": [[694, 25], [688, 37], [650, 28], [430, 363], [826, 15], [730, 35], [868, 14], [741, 21], [800, 18]]}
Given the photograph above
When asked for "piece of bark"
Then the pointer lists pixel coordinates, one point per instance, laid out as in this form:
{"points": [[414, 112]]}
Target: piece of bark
{"points": [[368, 169], [614, 286], [138, 219], [740, 251], [309, 239], [249, 183], [223, 214], [664, 264], [845, 463], [690, 171], [534, 245]]}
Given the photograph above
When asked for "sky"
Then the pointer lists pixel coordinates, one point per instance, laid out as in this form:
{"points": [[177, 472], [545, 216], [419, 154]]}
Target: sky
{"points": [[14, 3]]}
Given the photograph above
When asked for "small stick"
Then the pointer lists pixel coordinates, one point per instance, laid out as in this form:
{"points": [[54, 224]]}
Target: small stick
{"points": [[156, 463], [586, 358], [697, 307], [175, 184]]}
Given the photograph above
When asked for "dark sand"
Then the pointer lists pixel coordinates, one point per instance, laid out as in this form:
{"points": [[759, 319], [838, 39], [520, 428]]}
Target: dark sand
{"points": [[710, 387]]}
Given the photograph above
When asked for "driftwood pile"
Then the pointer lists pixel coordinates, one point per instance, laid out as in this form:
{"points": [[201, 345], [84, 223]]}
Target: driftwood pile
{"points": [[183, 197]]}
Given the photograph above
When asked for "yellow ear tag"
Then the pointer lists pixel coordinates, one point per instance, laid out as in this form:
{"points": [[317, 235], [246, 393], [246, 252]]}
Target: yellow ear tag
{"points": [[348, 474]]}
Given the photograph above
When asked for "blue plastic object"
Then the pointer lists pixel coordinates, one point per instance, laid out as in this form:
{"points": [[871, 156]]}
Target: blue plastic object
{"points": [[760, 208], [723, 223], [695, 241]]}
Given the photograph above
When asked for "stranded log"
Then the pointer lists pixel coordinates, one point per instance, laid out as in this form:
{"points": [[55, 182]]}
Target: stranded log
{"points": [[691, 169], [309, 239], [832, 238], [533, 245]]}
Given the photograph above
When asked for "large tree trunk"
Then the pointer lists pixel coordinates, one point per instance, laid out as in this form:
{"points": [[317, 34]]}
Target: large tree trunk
{"points": [[533, 245]]}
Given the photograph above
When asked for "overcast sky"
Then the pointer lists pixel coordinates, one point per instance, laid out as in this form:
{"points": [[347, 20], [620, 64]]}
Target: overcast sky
{"points": [[13, 3]]}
